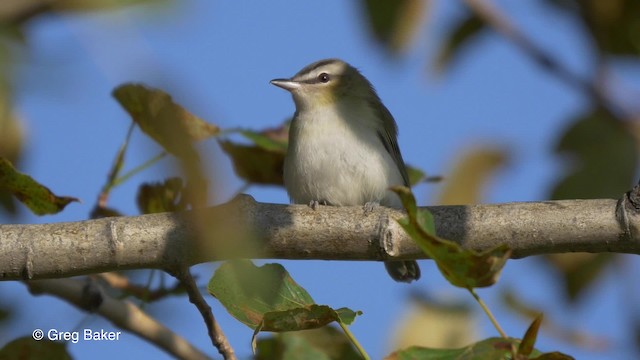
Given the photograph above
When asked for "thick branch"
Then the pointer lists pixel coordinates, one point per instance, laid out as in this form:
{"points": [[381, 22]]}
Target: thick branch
{"points": [[245, 228]]}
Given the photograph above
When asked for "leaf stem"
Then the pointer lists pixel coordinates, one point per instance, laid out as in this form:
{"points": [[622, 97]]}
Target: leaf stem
{"points": [[137, 169], [488, 312], [354, 341]]}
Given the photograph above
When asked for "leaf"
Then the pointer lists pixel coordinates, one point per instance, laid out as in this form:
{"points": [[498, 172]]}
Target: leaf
{"points": [[248, 292], [556, 330], [613, 24], [26, 348], [166, 122], [435, 323], [460, 37], [266, 298], [324, 343], [303, 318], [529, 340], [38, 198], [602, 158], [394, 23], [161, 197], [93, 5], [275, 139], [255, 164], [470, 175], [580, 270], [462, 268], [492, 348]]}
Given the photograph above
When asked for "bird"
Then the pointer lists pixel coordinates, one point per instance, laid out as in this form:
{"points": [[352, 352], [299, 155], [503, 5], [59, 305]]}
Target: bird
{"points": [[343, 148]]}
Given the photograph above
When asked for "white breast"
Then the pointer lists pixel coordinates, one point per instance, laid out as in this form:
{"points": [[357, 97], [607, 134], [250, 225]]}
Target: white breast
{"points": [[340, 162]]}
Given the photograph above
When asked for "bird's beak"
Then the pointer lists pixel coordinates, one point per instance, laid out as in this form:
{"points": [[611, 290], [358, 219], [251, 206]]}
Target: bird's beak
{"points": [[286, 84]]}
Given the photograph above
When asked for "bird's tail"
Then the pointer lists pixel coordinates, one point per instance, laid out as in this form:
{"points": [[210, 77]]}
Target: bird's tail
{"points": [[403, 271]]}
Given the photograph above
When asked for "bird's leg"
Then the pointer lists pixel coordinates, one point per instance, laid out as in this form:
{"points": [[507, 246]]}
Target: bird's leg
{"points": [[370, 206], [315, 203]]}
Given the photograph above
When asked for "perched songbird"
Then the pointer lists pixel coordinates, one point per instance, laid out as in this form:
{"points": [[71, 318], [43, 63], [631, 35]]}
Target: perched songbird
{"points": [[343, 148]]}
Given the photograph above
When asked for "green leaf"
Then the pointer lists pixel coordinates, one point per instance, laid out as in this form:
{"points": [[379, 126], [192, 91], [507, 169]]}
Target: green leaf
{"points": [[267, 299], [161, 197], [459, 38], [602, 158], [26, 348], [492, 348], [38, 198], [462, 268], [249, 292], [324, 343], [166, 122]]}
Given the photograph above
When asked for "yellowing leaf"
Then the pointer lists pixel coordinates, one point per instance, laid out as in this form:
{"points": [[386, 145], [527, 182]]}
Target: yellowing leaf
{"points": [[37, 197], [465, 182], [394, 23], [166, 122]]}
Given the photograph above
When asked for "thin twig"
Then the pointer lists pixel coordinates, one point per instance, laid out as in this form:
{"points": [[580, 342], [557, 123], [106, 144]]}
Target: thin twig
{"points": [[218, 339]]}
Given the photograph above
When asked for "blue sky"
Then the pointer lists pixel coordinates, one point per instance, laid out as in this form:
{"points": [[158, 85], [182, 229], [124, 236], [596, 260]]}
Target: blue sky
{"points": [[216, 59]]}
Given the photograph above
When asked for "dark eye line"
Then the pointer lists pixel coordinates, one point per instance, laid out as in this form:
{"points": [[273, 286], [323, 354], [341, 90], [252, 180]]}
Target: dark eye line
{"points": [[317, 79]]}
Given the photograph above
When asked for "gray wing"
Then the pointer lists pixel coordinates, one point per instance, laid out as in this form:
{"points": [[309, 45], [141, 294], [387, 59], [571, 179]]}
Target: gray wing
{"points": [[389, 138]]}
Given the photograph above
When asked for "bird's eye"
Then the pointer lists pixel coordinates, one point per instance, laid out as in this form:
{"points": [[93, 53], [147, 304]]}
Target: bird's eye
{"points": [[324, 78]]}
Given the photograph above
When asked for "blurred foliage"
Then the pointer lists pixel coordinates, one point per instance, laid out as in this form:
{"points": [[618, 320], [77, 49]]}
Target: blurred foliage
{"points": [[166, 122], [492, 348], [602, 156], [579, 270], [161, 197], [394, 23], [435, 323], [462, 33], [471, 174], [325, 343], [37, 197], [556, 329], [26, 348], [613, 25], [263, 162]]}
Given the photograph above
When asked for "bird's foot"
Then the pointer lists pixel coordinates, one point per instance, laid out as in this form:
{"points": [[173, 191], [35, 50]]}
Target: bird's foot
{"points": [[315, 203], [369, 207]]}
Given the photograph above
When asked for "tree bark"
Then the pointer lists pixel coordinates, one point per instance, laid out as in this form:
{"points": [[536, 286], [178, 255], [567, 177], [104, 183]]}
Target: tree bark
{"points": [[248, 229]]}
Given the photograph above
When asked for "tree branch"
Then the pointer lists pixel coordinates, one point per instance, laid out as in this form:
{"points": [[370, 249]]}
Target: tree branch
{"points": [[245, 228], [218, 338], [121, 313]]}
